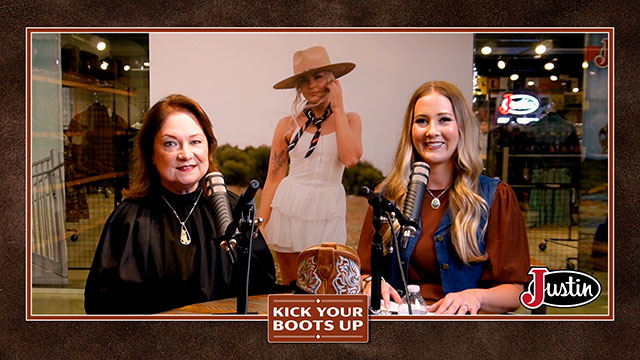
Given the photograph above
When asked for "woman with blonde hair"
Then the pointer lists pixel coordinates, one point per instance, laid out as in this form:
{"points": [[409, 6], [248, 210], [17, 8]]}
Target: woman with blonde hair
{"points": [[470, 252], [307, 206]]}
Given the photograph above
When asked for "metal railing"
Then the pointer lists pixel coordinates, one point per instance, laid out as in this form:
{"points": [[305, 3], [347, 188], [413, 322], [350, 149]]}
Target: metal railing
{"points": [[48, 244]]}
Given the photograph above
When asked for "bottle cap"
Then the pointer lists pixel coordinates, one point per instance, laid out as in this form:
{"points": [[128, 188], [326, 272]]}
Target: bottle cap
{"points": [[413, 288]]}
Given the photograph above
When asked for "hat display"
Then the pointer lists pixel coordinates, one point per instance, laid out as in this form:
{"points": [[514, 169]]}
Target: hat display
{"points": [[313, 59]]}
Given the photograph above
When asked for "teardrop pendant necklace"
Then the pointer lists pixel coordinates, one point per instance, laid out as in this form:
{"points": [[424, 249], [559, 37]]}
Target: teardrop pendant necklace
{"points": [[185, 237], [435, 203]]}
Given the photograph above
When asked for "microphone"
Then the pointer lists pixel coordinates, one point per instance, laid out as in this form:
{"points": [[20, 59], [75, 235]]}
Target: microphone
{"points": [[216, 192], [376, 199], [413, 200], [244, 200]]}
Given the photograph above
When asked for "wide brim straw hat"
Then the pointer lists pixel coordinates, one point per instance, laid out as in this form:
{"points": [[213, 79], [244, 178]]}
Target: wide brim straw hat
{"points": [[312, 60]]}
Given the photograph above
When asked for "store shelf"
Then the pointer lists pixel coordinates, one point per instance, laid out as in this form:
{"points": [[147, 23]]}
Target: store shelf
{"points": [[545, 155], [82, 85], [547, 185], [90, 179]]}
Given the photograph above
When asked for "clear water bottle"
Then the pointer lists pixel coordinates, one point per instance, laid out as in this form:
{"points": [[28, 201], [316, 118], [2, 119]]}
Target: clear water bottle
{"points": [[418, 305]]}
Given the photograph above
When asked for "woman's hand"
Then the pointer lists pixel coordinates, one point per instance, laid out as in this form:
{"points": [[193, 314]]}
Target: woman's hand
{"points": [[348, 127], [388, 292], [335, 94], [460, 303]]}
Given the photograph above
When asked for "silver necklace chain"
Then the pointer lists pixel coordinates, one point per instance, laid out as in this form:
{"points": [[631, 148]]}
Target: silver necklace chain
{"points": [[185, 237], [435, 203]]}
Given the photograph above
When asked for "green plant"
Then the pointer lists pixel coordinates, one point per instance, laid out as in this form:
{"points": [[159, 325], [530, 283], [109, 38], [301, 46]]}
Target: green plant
{"points": [[363, 174], [239, 166]]}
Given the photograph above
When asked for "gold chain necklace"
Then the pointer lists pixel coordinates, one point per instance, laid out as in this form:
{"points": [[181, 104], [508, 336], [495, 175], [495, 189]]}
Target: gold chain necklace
{"points": [[185, 237]]}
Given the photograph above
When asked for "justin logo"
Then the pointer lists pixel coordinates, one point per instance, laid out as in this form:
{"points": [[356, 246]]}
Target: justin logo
{"points": [[559, 288], [518, 104], [602, 60]]}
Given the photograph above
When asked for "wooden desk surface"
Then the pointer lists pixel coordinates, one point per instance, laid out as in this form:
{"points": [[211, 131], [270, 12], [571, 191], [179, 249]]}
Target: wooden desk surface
{"points": [[257, 304]]}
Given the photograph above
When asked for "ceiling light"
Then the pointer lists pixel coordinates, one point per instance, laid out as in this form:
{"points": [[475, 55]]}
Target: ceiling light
{"points": [[502, 64], [531, 83], [127, 68], [514, 77], [101, 46], [541, 49], [549, 66], [486, 50], [575, 89], [104, 65], [585, 64], [553, 78]]}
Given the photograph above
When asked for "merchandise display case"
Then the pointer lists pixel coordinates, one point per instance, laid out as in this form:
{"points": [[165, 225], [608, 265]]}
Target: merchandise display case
{"points": [[541, 103], [98, 85]]}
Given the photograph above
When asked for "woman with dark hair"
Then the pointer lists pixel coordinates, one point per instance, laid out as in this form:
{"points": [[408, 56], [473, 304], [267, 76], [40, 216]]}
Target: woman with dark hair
{"points": [[158, 249], [470, 253], [307, 206]]}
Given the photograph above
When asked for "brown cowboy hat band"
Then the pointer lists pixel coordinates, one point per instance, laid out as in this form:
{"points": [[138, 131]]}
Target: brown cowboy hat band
{"points": [[312, 60]]}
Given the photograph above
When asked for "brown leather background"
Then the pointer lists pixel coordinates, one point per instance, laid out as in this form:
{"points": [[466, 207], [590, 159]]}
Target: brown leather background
{"points": [[229, 340]]}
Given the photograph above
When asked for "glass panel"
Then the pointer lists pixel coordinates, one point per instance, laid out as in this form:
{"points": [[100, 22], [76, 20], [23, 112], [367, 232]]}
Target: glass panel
{"points": [[89, 94], [544, 115]]}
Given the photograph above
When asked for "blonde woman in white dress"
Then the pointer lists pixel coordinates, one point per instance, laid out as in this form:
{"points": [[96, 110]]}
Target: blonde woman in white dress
{"points": [[308, 206]]}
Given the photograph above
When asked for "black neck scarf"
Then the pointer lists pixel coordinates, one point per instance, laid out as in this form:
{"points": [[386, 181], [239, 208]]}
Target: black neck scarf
{"points": [[317, 122]]}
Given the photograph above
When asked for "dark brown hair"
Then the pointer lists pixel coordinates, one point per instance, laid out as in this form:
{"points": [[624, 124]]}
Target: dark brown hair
{"points": [[143, 173]]}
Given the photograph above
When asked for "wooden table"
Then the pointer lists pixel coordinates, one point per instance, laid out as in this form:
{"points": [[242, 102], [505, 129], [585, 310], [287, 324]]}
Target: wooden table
{"points": [[257, 304]]}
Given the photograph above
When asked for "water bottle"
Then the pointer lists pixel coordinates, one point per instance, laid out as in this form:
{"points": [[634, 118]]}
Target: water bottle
{"points": [[418, 305]]}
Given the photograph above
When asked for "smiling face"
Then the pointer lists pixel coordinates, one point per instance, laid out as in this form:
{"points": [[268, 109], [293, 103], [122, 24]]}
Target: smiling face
{"points": [[435, 129], [313, 87], [180, 151]]}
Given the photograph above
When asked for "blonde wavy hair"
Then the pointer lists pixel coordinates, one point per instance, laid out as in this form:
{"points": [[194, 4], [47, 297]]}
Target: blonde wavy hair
{"points": [[466, 205]]}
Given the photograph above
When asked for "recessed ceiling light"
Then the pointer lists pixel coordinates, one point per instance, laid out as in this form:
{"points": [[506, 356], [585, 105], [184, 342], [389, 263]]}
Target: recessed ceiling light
{"points": [[101, 46], [549, 66], [553, 78], [514, 77], [501, 64], [541, 49], [486, 50]]}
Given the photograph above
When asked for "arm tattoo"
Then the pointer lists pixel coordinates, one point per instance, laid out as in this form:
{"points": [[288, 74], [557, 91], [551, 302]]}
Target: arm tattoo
{"points": [[278, 161]]}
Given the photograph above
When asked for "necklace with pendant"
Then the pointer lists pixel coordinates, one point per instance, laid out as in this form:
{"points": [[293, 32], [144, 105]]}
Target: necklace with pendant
{"points": [[185, 237], [435, 203]]}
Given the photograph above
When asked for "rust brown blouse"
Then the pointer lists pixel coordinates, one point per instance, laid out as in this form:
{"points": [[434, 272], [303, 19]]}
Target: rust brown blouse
{"points": [[506, 245]]}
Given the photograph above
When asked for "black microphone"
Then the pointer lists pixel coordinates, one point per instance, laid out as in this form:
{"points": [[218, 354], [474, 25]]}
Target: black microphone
{"points": [[243, 201], [376, 199], [216, 192], [413, 200]]}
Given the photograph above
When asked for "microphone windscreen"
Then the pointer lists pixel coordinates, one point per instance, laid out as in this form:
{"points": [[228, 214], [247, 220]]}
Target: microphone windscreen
{"points": [[216, 192]]}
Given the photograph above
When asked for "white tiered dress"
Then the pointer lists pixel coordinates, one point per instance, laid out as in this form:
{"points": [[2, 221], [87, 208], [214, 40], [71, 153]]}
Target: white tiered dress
{"points": [[309, 206]]}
